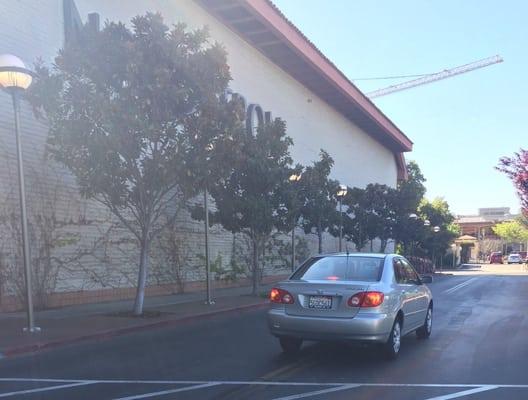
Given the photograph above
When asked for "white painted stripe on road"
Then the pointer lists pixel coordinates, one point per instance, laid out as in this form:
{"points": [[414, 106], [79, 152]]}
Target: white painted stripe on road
{"points": [[460, 286], [464, 393], [164, 392], [317, 392], [272, 383], [44, 380], [44, 389]]}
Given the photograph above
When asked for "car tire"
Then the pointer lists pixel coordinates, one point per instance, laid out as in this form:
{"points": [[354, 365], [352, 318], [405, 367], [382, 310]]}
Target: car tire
{"points": [[393, 344], [425, 330], [290, 346]]}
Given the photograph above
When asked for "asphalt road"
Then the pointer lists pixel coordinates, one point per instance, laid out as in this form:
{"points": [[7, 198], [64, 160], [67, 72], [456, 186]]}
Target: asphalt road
{"points": [[478, 350]]}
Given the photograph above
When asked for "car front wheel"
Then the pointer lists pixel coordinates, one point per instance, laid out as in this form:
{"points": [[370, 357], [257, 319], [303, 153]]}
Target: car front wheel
{"points": [[424, 331]]}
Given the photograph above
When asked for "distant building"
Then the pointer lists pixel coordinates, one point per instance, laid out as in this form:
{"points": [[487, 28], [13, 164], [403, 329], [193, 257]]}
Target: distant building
{"points": [[480, 226]]}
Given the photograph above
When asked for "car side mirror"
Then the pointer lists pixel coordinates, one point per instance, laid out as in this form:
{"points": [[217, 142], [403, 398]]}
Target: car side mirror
{"points": [[426, 279]]}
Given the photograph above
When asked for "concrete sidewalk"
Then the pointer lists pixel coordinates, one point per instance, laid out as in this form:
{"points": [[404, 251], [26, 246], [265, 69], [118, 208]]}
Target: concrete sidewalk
{"points": [[103, 320]]}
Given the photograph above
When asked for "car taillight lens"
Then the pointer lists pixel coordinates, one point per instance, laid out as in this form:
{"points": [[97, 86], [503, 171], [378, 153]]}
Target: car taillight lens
{"points": [[280, 296], [366, 299]]}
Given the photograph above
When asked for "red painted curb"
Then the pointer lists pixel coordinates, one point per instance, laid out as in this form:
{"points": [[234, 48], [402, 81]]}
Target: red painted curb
{"points": [[34, 348]]}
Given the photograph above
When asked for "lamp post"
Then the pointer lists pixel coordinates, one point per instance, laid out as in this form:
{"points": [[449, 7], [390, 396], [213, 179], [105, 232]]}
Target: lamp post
{"points": [[341, 192], [208, 299], [15, 78], [412, 217], [294, 178], [436, 229]]}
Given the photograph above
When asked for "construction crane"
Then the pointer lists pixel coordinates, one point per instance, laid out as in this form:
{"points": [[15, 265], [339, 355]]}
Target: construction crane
{"points": [[425, 79]]}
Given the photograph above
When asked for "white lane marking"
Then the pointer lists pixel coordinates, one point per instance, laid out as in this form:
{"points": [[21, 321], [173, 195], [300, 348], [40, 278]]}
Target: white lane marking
{"points": [[317, 392], [464, 393], [460, 286], [44, 380], [164, 392], [44, 389], [272, 383]]}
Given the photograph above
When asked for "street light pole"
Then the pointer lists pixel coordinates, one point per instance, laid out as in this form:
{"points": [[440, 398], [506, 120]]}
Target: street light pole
{"points": [[208, 300], [436, 229], [293, 245], [341, 192], [23, 213], [340, 224], [15, 78], [294, 178]]}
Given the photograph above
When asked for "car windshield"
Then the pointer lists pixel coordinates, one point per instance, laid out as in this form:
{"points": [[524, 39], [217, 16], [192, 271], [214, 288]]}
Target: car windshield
{"points": [[341, 268]]}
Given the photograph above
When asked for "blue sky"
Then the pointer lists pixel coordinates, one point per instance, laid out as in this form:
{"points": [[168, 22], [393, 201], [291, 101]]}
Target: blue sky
{"points": [[460, 126]]}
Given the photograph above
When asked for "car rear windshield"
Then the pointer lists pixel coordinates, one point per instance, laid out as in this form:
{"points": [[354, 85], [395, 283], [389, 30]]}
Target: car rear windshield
{"points": [[341, 268]]}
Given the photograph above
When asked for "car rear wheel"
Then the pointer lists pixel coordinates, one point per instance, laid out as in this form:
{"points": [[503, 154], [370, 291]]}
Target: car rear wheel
{"points": [[290, 346], [392, 347], [424, 331]]}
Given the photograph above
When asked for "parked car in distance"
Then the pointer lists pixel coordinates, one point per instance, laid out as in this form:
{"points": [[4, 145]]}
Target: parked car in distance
{"points": [[514, 258], [524, 255], [495, 257], [359, 297]]}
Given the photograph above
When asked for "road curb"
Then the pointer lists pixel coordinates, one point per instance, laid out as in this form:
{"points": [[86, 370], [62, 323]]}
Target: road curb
{"points": [[108, 334]]}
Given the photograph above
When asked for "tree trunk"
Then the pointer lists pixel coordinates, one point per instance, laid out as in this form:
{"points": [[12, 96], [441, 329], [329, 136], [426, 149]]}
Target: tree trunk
{"points": [[255, 276], [383, 245], [142, 275], [371, 245]]}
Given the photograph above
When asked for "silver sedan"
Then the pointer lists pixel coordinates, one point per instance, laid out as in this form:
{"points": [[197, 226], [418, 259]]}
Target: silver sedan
{"points": [[370, 298]]}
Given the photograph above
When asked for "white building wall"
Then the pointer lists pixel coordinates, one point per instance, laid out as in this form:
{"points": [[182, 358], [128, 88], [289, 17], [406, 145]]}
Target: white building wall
{"points": [[35, 28], [359, 159]]}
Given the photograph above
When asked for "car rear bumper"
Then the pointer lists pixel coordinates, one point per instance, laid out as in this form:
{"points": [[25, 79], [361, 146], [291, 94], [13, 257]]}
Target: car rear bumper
{"points": [[364, 327]]}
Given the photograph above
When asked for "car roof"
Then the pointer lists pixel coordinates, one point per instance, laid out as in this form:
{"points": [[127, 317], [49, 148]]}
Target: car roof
{"points": [[372, 255]]}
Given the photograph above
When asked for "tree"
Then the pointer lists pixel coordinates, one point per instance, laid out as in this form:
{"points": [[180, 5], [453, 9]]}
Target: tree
{"points": [[516, 168], [249, 199], [407, 198], [433, 243], [511, 231], [123, 105], [382, 200], [369, 215], [319, 212], [356, 218]]}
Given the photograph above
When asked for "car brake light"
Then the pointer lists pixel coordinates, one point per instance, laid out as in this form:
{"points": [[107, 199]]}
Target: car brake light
{"points": [[366, 299], [280, 296]]}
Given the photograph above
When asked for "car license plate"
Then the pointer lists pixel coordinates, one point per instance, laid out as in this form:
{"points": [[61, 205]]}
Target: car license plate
{"points": [[320, 302]]}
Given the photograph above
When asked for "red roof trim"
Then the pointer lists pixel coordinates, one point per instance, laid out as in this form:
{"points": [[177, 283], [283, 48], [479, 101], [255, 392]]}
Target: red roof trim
{"points": [[304, 48]]}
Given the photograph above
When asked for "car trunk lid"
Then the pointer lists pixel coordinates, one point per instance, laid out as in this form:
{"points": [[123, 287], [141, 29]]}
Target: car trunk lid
{"points": [[323, 298]]}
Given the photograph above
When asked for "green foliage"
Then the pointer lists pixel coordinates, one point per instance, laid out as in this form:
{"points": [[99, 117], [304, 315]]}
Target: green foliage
{"points": [[221, 273], [319, 209], [249, 199], [432, 243], [280, 251], [131, 111], [370, 213], [516, 168], [512, 231]]}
